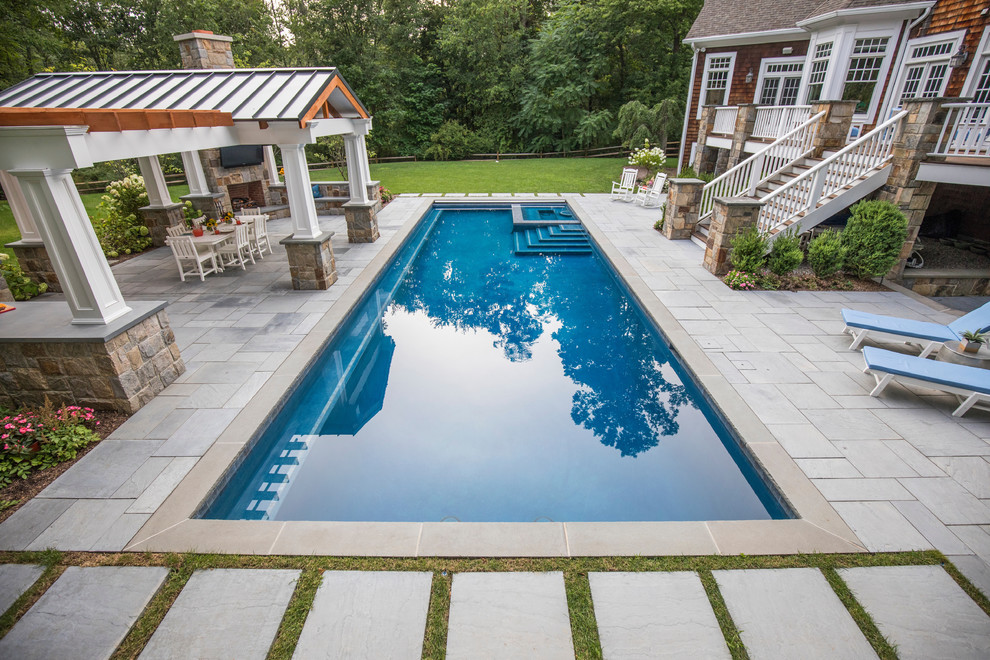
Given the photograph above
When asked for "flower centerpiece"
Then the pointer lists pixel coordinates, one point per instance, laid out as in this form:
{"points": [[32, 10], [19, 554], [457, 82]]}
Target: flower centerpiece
{"points": [[649, 159], [211, 225], [228, 217]]}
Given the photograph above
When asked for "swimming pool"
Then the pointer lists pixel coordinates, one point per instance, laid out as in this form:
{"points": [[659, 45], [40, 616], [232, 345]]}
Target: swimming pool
{"points": [[477, 381]]}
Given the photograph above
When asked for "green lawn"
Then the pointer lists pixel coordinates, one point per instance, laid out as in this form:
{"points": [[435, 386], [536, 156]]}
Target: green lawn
{"points": [[580, 175]]}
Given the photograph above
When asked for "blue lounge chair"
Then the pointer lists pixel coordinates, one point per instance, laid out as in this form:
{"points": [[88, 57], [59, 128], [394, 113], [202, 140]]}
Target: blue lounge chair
{"points": [[933, 333], [971, 385]]}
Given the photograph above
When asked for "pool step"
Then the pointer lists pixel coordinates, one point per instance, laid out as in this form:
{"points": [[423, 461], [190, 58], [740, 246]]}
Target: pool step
{"points": [[554, 239]]}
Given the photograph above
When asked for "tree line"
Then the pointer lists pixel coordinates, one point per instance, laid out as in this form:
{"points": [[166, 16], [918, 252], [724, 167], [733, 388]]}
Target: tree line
{"points": [[442, 78]]}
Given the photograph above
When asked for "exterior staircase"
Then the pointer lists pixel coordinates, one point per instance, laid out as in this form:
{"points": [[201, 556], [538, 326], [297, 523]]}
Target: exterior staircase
{"points": [[798, 191]]}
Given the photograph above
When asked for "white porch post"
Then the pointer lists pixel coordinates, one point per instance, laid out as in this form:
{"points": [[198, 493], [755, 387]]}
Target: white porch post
{"points": [[154, 181], [299, 190], [195, 176], [89, 286], [19, 207], [358, 171], [270, 165]]}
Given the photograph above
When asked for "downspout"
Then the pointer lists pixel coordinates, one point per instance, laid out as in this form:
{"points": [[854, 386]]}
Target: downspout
{"points": [[896, 72], [687, 109]]}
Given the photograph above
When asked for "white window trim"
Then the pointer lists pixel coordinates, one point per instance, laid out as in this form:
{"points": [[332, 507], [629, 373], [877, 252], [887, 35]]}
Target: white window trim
{"points": [[979, 57], [880, 93], [833, 37], [765, 64], [956, 37], [703, 90]]}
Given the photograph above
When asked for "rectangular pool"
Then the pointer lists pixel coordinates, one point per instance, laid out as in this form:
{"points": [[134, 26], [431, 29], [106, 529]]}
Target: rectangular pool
{"points": [[484, 379]]}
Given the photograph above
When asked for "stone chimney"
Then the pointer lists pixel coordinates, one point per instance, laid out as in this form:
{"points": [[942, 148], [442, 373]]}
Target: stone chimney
{"points": [[201, 49]]}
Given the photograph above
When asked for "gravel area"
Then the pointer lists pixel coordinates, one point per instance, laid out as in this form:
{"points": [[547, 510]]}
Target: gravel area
{"points": [[940, 255]]}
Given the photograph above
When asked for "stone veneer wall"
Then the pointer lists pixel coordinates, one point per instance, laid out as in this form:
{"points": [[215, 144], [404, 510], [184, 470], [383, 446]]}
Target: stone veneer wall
{"points": [[333, 195], [206, 51], [949, 284], [5, 294], [219, 177], [122, 373], [36, 264]]}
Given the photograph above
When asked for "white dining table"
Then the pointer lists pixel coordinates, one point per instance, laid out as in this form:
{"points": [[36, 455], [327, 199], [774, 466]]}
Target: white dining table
{"points": [[211, 242]]}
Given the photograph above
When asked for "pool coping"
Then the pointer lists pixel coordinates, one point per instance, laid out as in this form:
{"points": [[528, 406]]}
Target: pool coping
{"points": [[818, 528]]}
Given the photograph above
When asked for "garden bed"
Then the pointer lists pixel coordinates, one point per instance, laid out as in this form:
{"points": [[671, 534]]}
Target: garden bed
{"points": [[803, 279]]}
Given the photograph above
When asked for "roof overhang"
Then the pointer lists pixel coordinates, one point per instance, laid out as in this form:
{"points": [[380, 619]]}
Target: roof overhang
{"points": [[748, 38], [897, 12], [69, 147]]}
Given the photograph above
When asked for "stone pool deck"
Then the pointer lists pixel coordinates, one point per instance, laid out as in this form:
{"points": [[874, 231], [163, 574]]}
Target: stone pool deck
{"points": [[866, 474]]}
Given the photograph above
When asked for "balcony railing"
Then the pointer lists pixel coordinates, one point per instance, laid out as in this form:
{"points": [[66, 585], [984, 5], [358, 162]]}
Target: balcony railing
{"points": [[966, 131], [725, 120], [772, 121]]}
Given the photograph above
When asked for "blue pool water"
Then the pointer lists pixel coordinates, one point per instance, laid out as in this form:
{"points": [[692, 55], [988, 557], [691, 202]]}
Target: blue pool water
{"points": [[473, 384]]}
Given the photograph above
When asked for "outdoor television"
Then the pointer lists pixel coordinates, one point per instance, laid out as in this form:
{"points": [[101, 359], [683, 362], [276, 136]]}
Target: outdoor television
{"points": [[247, 154]]}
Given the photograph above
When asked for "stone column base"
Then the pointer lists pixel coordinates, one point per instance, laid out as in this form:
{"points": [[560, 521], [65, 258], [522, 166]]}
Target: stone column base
{"points": [[5, 295], [681, 211], [362, 222], [36, 264], [205, 204], [158, 218], [120, 366], [311, 262], [730, 216]]}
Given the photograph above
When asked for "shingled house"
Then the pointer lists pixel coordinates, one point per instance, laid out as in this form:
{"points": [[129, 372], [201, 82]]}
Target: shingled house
{"points": [[806, 106]]}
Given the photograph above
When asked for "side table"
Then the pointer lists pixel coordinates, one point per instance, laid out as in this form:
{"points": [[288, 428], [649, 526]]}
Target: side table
{"points": [[951, 351]]}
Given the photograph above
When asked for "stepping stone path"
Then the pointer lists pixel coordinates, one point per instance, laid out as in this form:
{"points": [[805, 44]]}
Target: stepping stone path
{"points": [[85, 614], [15, 580], [655, 615], [509, 615], [363, 614], [939, 621], [790, 613], [224, 613]]}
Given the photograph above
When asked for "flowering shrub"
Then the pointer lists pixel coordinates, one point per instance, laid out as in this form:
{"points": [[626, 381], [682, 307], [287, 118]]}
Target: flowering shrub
{"points": [[20, 285], [387, 195], [121, 231], [35, 440], [652, 158], [737, 279]]}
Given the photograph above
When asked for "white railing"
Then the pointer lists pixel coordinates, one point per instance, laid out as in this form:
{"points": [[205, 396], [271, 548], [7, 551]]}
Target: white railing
{"points": [[773, 121], [804, 193], [750, 174], [966, 131], [725, 120]]}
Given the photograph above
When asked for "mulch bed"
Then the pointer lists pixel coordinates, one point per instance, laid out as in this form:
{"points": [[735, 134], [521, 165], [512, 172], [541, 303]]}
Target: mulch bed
{"points": [[22, 490], [803, 279]]}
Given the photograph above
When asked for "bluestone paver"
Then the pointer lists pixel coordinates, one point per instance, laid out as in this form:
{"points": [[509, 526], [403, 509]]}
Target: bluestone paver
{"points": [[367, 614], [85, 614], [655, 615], [15, 580], [790, 613], [224, 613], [922, 611], [509, 615]]}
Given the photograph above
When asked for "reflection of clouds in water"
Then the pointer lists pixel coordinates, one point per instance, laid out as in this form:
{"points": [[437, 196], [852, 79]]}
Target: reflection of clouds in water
{"points": [[625, 395]]}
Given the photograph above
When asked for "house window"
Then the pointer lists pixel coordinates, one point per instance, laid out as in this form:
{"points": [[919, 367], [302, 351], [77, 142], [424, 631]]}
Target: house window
{"points": [[781, 81], [981, 93], [819, 67], [926, 71], [864, 71], [718, 69]]}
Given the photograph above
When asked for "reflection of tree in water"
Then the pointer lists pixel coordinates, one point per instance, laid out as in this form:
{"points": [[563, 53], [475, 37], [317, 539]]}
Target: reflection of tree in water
{"points": [[515, 298]]}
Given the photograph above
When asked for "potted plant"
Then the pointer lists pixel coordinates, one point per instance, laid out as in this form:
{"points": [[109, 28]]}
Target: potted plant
{"points": [[972, 340]]}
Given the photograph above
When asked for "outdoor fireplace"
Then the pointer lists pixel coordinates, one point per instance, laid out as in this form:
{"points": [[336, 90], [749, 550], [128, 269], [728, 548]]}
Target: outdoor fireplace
{"points": [[246, 195]]}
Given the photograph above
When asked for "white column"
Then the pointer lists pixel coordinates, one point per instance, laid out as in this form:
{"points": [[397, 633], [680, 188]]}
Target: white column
{"points": [[299, 190], [89, 286], [154, 181], [270, 165], [363, 156], [19, 207], [195, 176], [358, 172]]}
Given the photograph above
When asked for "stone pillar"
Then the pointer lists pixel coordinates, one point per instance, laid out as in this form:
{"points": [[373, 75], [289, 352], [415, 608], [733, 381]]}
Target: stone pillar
{"points": [[90, 288], [730, 216], [362, 220], [30, 250], [833, 128], [704, 159], [159, 218], [745, 122], [683, 204], [311, 262], [916, 137], [5, 295], [201, 49]]}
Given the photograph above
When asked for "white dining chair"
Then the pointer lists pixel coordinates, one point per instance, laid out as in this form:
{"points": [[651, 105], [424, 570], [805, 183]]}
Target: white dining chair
{"points": [[175, 230], [259, 235], [237, 250], [183, 249]]}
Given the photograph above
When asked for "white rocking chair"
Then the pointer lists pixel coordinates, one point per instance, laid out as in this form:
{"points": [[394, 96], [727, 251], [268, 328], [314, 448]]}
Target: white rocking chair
{"points": [[626, 186], [238, 250], [649, 194], [183, 249]]}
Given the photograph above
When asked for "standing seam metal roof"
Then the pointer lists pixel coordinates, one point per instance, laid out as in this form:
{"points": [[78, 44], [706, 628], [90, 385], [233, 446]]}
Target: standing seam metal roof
{"points": [[247, 94]]}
